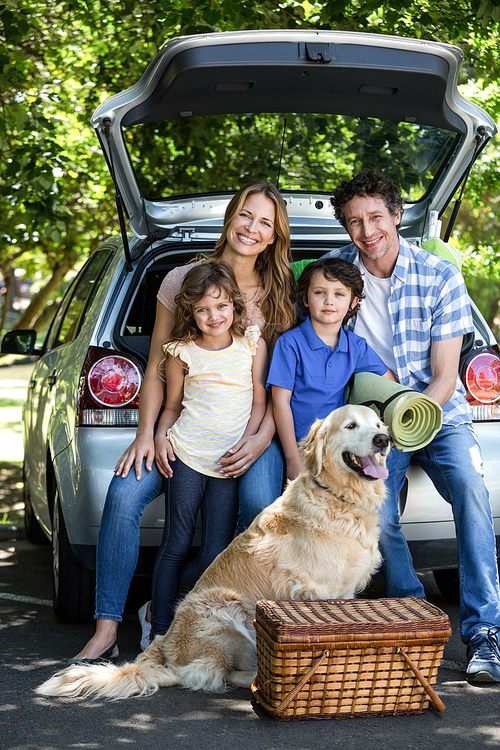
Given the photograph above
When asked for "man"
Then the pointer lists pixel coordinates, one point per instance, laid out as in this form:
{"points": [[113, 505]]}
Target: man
{"points": [[415, 314]]}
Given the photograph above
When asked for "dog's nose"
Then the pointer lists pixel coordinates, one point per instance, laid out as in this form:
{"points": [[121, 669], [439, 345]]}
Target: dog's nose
{"points": [[381, 441]]}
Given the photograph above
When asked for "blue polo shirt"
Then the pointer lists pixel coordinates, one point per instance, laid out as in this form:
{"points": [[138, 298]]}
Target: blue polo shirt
{"points": [[316, 375]]}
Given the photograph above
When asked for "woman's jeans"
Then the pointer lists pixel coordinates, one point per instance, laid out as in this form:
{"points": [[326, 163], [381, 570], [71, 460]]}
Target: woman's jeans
{"points": [[118, 540], [454, 464], [186, 493], [260, 485]]}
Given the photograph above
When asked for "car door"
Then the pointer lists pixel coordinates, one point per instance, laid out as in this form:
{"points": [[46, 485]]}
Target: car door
{"points": [[52, 394]]}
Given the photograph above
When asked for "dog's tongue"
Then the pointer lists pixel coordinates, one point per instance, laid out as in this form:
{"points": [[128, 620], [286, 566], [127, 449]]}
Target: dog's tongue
{"points": [[372, 468]]}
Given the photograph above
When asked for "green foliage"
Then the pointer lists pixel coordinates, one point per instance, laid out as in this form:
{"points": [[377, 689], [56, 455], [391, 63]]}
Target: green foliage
{"points": [[60, 58]]}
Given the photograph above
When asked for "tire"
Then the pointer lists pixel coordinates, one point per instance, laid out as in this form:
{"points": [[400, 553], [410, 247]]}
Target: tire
{"points": [[448, 585], [34, 531], [74, 585]]}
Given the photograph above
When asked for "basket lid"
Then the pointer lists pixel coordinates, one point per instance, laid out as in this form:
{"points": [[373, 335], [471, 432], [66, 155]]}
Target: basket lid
{"points": [[350, 619]]}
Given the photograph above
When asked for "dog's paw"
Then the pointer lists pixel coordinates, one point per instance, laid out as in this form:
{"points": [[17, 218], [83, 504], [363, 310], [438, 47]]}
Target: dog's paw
{"points": [[241, 679]]}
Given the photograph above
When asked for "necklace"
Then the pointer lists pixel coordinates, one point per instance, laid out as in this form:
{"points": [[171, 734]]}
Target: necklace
{"points": [[253, 295]]}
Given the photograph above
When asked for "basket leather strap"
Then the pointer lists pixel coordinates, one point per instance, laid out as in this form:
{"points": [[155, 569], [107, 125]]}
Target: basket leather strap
{"points": [[435, 701], [298, 687]]}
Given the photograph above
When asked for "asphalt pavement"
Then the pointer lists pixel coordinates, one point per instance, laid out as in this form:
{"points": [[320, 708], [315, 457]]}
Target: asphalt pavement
{"points": [[34, 644]]}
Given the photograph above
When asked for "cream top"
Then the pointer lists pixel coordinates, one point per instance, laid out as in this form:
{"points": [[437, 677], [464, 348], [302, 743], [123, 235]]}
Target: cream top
{"points": [[217, 401]]}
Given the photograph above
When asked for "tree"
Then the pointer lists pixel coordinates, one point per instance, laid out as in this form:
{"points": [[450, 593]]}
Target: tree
{"points": [[61, 58]]}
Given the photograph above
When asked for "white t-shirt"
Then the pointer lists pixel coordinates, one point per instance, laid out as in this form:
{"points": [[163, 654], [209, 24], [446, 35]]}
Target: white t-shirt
{"points": [[373, 321]]}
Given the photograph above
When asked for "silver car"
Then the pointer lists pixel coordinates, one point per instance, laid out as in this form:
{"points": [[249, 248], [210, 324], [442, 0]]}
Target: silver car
{"points": [[302, 109]]}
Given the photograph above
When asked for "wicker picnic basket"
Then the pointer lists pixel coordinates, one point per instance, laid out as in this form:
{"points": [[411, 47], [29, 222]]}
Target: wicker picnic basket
{"points": [[341, 658]]}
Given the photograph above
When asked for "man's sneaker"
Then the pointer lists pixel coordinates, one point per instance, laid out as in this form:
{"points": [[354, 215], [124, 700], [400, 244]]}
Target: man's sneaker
{"points": [[145, 625], [483, 654]]}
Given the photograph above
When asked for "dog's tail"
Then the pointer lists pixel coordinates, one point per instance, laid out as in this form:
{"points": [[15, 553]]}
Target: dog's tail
{"points": [[139, 678]]}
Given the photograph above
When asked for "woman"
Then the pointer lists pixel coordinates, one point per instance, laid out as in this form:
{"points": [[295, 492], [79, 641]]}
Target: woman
{"points": [[255, 242]]}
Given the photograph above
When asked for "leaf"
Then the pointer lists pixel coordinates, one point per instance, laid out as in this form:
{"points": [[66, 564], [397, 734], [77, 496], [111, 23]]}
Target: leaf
{"points": [[61, 58]]}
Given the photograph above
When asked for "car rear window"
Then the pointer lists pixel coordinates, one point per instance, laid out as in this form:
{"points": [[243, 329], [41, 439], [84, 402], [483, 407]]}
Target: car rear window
{"points": [[300, 152]]}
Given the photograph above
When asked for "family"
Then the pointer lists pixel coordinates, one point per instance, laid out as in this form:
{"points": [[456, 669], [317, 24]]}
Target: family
{"points": [[232, 386]]}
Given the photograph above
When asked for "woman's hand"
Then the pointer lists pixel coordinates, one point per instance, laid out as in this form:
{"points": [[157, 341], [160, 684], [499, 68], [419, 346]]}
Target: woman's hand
{"points": [[142, 448], [164, 455], [241, 456]]}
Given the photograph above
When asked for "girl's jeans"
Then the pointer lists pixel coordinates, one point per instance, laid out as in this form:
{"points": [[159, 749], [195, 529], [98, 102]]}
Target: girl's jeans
{"points": [[118, 540], [186, 493], [454, 464]]}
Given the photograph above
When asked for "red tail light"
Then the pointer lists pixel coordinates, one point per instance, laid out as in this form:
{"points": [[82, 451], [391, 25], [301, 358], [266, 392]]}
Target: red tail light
{"points": [[482, 383], [109, 389]]}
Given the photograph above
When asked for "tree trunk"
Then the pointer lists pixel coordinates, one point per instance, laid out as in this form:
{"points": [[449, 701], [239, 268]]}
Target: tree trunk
{"points": [[29, 318], [45, 317], [6, 300]]}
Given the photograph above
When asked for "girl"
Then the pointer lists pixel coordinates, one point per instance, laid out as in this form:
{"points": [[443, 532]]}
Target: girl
{"points": [[255, 242], [215, 373]]}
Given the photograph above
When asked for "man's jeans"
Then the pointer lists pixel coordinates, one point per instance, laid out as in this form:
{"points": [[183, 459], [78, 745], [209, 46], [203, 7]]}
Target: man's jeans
{"points": [[118, 540], [453, 463]]}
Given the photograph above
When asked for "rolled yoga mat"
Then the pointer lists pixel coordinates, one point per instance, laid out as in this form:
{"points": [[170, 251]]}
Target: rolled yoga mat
{"points": [[412, 418]]}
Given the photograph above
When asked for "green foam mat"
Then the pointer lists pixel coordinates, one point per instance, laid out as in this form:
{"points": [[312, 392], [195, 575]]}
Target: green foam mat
{"points": [[412, 418]]}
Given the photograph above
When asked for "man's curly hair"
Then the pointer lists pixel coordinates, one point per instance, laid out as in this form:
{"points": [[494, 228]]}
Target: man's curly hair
{"points": [[367, 183]]}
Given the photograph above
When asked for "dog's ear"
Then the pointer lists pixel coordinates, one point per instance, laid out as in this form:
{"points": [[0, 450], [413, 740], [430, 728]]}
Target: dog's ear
{"points": [[311, 447]]}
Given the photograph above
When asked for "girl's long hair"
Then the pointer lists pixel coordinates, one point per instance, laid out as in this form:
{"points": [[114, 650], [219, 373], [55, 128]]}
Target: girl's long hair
{"points": [[195, 286], [277, 302]]}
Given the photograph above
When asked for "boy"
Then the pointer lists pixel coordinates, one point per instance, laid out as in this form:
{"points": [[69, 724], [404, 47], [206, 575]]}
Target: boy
{"points": [[312, 364]]}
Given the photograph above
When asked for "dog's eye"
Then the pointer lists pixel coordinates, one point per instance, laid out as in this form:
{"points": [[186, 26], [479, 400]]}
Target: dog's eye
{"points": [[351, 426]]}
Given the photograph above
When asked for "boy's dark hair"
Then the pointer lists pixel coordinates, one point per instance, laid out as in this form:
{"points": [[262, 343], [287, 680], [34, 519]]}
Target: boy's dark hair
{"points": [[334, 269], [371, 183]]}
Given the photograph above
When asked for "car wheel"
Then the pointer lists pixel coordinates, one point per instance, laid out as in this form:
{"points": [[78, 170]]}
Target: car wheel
{"points": [[448, 585], [34, 531], [74, 585]]}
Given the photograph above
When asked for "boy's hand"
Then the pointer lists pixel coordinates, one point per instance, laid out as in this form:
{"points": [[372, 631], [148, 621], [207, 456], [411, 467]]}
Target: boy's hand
{"points": [[294, 468]]}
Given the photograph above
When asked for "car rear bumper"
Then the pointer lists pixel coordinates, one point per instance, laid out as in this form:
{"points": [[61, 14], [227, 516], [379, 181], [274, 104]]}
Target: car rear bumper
{"points": [[85, 470]]}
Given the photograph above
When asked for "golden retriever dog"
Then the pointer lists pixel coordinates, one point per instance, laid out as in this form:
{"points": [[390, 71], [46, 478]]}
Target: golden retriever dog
{"points": [[319, 540]]}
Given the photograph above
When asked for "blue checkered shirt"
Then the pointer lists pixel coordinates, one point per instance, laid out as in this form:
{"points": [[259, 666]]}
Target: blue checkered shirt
{"points": [[428, 302]]}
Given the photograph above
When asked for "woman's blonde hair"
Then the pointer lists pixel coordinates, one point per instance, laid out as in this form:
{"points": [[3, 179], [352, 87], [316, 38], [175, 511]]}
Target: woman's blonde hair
{"points": [[196, 285], [277, 302]]}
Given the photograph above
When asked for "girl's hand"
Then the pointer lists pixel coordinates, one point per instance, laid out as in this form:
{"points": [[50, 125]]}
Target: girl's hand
{"points": [[241, 456], [294, 468], [164, 455], [142, 448]]}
